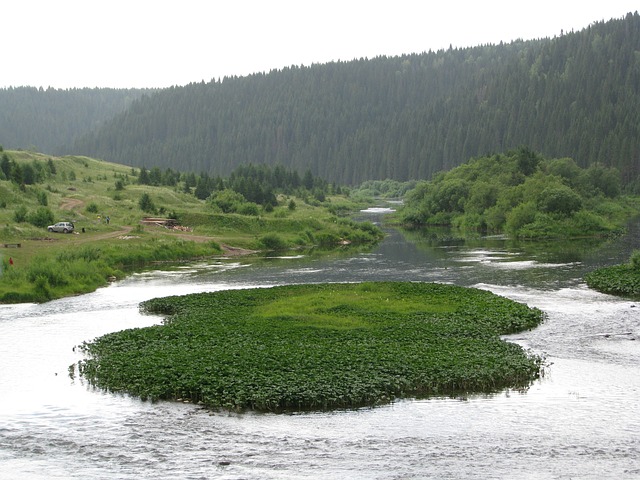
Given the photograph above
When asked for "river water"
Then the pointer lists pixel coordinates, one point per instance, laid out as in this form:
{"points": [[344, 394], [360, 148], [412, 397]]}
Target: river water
{"points": [[580, 421]]}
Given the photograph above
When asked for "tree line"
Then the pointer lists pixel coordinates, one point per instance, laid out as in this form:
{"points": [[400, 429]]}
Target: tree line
{"points": [[258, 184]]}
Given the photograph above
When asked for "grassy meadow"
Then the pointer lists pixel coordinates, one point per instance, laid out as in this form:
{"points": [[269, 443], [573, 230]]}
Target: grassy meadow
{"points": [[86, 191]]}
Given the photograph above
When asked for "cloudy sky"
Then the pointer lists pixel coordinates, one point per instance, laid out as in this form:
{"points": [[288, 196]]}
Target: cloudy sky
{"points": [[159, 43]]}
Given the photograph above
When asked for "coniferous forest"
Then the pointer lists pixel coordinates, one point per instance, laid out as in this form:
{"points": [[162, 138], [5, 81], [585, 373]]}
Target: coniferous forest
{"points": [[408, 117], [47, 119]]}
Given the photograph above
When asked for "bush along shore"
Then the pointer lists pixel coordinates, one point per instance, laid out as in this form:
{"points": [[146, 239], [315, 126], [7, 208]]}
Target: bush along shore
{"points": [[318, 347], [622, 280]]}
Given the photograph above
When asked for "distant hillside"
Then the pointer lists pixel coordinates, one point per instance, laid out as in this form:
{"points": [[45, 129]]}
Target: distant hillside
{"points": [[45, 119], [403, 117]]}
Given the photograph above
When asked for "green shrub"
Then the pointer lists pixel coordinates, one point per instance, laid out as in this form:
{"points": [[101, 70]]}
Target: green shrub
{"points": [[43, 199], [327, 239], [273, 241], [41, 218], [92, 208], [250, 209], [559, 199], [226, 200], [20, 214], [146, 204], [520, 216]]}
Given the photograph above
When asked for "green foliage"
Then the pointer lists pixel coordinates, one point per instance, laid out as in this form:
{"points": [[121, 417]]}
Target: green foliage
{"points": [[519, 193], [559, 199], [70, 113], [42, 197], [273, 241], [527, 161], [318, 347], [20, 214], [41, 217], [622, 280], [92, 208], [146, 203], [21, 203], [83, 269], [227, 200], [250, 208], [520, 216], [388, 188]]}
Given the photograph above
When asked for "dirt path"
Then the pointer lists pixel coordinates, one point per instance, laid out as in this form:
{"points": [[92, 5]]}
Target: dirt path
{"points": [[71, 204]]}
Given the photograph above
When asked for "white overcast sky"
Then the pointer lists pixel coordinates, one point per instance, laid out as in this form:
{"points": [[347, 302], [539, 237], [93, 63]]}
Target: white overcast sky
{"points": [[160, 43]]}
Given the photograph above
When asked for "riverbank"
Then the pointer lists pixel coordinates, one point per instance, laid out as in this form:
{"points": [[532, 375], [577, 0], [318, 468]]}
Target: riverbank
{"points": [[114, 235], [52, 267]]}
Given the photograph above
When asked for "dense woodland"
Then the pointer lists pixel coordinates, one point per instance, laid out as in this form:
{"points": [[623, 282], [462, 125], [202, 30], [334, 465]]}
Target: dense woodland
{"points": [[46, 119], [407, 117]]}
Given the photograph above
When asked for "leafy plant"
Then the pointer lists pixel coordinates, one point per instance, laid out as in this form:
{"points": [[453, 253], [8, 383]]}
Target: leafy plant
{"points": [[318, 346], [20, 214], [41, 217], [146, 204], [273, 241]]}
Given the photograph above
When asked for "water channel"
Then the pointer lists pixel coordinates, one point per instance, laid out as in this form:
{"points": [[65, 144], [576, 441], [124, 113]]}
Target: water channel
{"points": [[581, 421]]}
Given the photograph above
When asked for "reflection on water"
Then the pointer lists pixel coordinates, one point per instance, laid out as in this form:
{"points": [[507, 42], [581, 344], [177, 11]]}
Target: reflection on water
{"points": [[580, 421]]}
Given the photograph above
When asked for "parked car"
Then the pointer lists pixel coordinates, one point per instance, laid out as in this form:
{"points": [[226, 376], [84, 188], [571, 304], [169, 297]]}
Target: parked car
{"points": [[61, 227]]}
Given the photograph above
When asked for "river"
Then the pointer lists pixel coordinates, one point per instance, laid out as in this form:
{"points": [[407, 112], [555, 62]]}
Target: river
{"points": [[580, 421]]}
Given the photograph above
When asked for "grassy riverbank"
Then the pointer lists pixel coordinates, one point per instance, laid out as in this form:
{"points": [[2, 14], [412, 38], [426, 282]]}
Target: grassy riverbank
{"points": [[86, 192], [318, 347]]}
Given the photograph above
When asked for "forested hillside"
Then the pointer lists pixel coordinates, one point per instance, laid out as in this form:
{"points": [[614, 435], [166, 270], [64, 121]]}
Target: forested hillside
{"points": [[45, 119], [403, 117], [576, 95]]}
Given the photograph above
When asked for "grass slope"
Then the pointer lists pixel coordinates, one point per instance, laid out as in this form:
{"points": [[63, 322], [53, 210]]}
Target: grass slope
{"points": [[86, 191]]}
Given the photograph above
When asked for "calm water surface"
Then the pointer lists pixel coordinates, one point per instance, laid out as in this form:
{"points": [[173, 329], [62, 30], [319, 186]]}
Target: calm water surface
{"points": [[582, 420]]}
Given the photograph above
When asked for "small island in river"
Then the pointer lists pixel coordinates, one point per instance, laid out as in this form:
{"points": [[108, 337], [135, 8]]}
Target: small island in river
{"points": [[318, 347], [622, 280]]}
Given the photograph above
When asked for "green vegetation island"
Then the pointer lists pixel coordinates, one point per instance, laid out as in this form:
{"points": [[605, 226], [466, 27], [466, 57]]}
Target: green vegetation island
{"points": [[318, 347], [126, 219], [621, 280]]}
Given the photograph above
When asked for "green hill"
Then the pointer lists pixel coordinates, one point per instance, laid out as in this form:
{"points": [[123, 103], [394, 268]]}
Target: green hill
{"points": [[404, 118], [122, 224]]}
